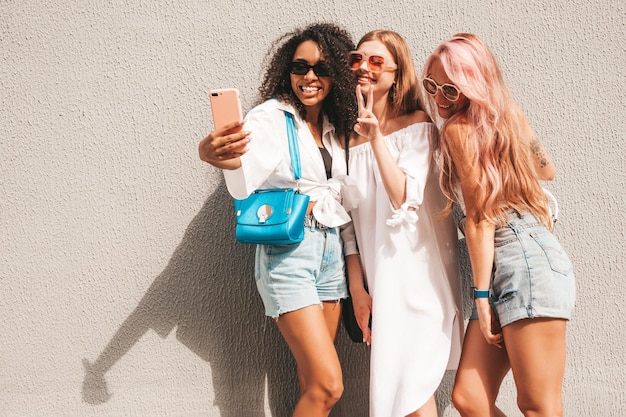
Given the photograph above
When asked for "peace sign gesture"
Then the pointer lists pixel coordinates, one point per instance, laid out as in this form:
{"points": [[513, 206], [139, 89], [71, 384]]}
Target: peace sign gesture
{"points": [[367, 123]]}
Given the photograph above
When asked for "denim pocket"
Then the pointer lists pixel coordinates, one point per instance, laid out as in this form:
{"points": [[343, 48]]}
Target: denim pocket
{"points": [[556, 256], [280, 250]]}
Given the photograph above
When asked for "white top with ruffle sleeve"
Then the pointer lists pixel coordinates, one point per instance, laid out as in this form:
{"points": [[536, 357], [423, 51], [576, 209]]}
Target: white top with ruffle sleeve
{"points": [[410, 259]]}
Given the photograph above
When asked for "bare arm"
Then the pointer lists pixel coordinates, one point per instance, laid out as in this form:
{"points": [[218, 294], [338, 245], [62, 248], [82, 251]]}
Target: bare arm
{"points": [[543, 163], [479, 232], [394, 179], [361, 300], [544, 166]]}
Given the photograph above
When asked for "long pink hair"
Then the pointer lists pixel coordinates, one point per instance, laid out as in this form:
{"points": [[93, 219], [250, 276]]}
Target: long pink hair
{"points": [[507, 178]]}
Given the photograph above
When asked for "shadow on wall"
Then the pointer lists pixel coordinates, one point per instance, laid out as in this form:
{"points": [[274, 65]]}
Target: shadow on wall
{"points": [[207, 293]]}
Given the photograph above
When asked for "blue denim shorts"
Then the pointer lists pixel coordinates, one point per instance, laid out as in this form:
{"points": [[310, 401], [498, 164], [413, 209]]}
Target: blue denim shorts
{"points": [[532, 274], [291, 277]]}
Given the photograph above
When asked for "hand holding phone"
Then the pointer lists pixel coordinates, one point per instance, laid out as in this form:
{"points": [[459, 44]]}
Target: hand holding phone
{"points": [[227, 141]]}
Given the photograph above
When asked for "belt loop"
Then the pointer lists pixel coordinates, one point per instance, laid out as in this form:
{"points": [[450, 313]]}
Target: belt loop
{"points": [[512, 216]]}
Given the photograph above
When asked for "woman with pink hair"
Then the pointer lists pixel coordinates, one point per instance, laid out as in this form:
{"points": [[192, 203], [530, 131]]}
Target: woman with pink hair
{"points": [[524, 287]]}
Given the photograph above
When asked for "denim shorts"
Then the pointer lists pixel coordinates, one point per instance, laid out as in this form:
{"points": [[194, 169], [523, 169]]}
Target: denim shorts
{"points": [[291, 277], [532, 274]]}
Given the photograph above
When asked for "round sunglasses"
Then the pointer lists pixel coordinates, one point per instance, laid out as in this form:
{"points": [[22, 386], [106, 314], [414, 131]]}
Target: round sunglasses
{"points": [[449, 91], [375, 63], [321, 69]]}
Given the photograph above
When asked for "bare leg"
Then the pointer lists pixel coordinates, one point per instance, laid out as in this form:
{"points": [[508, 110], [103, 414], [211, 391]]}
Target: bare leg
{"points": [[536, 349], [332, 316], [480, 374], [427, 410], [311, 343]]}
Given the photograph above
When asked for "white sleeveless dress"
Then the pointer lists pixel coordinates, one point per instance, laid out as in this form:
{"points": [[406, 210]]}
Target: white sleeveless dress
{"points": [[410, 259]]}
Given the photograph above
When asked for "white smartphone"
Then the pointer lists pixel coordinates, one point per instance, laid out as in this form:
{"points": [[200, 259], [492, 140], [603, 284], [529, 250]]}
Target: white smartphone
{"points": [[225, 106]]}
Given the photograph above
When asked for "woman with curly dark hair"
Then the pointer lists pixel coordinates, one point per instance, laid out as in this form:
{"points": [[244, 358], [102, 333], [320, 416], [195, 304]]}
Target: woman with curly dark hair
{"points": [[339, 106], [301, 285]]}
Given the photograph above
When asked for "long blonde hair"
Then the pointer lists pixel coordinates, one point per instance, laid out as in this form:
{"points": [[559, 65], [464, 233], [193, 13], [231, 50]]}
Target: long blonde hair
{"points": [[507, 178]]}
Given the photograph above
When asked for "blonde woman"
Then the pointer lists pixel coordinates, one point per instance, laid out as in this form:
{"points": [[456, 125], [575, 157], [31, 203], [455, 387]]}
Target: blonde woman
{"points": [[491, 164], [409, 257]]}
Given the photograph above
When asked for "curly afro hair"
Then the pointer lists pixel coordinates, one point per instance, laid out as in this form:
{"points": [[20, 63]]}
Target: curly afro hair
{"points": [[334, 43]]}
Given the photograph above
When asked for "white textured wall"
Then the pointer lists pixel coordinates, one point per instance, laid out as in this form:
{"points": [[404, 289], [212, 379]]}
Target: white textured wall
{"points": [[116, 241]]}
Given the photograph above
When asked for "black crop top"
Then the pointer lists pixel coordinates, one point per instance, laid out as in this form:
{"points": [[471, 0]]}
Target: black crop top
{"points": [[328, 162]]}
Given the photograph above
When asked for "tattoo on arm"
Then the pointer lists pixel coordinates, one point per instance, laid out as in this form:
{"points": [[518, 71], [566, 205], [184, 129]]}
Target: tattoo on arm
{"points": [[539, 152], [535, 146]]}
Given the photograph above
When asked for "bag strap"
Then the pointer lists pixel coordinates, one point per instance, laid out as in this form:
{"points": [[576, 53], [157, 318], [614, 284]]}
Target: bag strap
{"points": [[293, 148]]}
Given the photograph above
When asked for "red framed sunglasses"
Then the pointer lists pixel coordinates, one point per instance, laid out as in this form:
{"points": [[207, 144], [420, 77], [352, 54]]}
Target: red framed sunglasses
{"points": [[375, 63]]}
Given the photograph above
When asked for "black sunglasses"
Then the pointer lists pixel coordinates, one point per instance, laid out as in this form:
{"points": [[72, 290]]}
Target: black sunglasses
{"points": [[321, 69]]}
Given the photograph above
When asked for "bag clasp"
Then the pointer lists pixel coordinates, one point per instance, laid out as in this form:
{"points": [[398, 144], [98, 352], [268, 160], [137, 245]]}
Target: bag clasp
{"points": [[264, 212]]}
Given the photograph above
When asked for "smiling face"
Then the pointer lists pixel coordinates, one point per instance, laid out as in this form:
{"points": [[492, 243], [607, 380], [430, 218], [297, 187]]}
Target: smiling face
{"points": [[381, 81], [310, 88], [445, 107]]}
